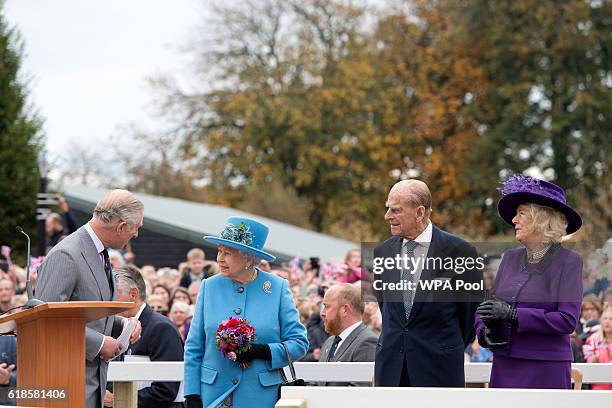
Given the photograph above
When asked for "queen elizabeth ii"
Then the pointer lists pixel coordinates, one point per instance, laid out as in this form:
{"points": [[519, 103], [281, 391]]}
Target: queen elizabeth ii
{"points": [[242, 290]]}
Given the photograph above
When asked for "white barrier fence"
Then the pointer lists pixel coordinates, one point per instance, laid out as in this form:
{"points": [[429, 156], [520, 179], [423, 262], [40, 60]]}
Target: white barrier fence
{"points": [[367, 397], [125, 376], [321, 372]]}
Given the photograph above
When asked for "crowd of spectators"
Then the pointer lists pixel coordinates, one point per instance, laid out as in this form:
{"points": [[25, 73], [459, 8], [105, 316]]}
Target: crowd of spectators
{"points": [[173, 290]]}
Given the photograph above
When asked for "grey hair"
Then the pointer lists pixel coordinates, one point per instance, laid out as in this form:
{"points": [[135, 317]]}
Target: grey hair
{"points": [[416, 193], [256, 260], [129, 277], [179, 305], [119, 205], [55, 217], [164, 272]]}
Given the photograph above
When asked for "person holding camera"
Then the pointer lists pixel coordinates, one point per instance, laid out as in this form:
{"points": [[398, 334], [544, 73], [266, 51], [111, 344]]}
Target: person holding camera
{"points": [[58, 227]]}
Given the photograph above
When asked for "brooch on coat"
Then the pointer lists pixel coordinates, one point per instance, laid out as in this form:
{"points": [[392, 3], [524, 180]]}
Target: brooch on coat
{"points": [[266, 286]]}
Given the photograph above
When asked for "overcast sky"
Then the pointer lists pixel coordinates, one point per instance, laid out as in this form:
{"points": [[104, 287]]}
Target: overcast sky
{"points": [[89, 60]]}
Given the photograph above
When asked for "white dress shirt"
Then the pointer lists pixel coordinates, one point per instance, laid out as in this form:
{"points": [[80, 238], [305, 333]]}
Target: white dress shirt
{"points": [[420, 251], [140, 311], [346, 332]]}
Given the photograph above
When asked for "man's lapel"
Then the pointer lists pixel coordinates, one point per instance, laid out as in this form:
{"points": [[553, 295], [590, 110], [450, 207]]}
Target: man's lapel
{"points": [[94, 262], [325, 348], [348, 341], [139, 347], [393, 275]]}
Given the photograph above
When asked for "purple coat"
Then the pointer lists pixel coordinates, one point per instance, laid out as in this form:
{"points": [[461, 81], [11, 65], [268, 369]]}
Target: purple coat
{"points": [[547, 296]]}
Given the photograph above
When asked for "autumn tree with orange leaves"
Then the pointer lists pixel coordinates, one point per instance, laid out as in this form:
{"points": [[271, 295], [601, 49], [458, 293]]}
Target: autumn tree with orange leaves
{"points": [[320, 106]]}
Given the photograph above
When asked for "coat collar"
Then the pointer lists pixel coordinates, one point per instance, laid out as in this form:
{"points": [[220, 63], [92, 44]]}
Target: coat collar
{"points": [[93, 260], [346, 343]]}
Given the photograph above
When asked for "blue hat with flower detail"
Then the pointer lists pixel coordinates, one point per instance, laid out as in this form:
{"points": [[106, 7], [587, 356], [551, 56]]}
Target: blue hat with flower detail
{"points": [[520, 189], [244, 234]]}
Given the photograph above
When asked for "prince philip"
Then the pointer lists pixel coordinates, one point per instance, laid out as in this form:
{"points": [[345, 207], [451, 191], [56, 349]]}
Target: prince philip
{"points": [[424, 333]]}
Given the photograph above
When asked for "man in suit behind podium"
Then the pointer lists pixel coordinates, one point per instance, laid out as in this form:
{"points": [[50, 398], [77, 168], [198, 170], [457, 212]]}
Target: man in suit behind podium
{"points": [[351, 340], [78, 269], [424, 331]]}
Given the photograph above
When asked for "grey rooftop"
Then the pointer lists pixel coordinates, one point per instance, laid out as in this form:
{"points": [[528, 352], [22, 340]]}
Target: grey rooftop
{"points": [[190, 221]]}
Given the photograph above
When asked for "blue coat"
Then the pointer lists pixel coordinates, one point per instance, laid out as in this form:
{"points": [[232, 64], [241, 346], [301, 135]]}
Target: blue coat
{"points": [[275, 318]]}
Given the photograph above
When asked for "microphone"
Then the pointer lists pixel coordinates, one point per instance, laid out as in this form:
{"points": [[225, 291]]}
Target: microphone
{"points": [[32, 302]]}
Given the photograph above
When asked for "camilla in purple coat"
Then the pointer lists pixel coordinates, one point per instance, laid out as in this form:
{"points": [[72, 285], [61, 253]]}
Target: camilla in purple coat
{"points": [[537, 290]]}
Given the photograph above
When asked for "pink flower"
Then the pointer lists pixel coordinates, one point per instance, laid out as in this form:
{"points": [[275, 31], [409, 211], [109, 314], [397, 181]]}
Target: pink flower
{"points": [[234, 336]]}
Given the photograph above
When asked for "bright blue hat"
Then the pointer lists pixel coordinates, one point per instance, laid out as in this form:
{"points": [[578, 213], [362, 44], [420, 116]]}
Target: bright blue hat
{"points": [[244, 234]]}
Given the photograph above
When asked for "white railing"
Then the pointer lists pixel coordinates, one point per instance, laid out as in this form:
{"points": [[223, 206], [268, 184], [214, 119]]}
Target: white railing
{"points": [[366, 397], [125, 376], [316, 372]]}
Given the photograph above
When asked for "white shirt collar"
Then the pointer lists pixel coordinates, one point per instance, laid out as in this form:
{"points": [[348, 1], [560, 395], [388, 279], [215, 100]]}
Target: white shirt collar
{"points": [[99, 245], [346, 332], [425, 237], [141, 309]]}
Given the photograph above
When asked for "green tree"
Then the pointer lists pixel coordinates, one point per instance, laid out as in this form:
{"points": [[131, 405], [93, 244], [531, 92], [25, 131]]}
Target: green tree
{"points": [[502, 87], [549, 65], [293, 102], [335, 104], [20, 144], [428, 81], [273, 200]]}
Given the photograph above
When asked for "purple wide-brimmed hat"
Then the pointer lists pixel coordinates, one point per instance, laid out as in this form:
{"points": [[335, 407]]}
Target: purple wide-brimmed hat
{"points": [[520, 189]]}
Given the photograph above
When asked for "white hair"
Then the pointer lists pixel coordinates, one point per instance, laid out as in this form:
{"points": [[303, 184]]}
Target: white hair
{"points": [[182, 306], [550, 222]]}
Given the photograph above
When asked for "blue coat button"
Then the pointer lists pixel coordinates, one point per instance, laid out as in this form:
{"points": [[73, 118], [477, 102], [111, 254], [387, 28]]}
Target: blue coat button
{"points": [[238, 311], [240, 289]]}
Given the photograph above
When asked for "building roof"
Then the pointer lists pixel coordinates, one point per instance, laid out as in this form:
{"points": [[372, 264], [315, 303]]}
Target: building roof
{"points": [[190, 221]]}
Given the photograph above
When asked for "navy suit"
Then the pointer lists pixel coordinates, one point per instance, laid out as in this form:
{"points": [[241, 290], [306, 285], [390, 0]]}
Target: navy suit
{"points": [[8, 355], [427, 350], [161, 341]]}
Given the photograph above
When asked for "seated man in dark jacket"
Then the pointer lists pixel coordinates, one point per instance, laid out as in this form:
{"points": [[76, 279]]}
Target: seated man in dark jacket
{"points": [[8, 372], [159, 340]]}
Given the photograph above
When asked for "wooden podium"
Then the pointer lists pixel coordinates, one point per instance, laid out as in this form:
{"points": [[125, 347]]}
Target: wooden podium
{"points": [[51, 350]]}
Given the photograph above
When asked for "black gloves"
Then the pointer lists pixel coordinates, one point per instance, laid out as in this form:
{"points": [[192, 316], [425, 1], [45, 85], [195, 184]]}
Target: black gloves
{"points": [[193, 401], [261, 351], [495, 310], [486, 340]]}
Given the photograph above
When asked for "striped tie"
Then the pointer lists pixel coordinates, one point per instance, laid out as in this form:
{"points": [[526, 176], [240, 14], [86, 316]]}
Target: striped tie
{"points": [[408, 253], [108, 270]]}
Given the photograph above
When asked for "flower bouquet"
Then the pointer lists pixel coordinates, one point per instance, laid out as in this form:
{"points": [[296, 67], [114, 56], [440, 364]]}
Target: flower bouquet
{"points": [[234, 336]]}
